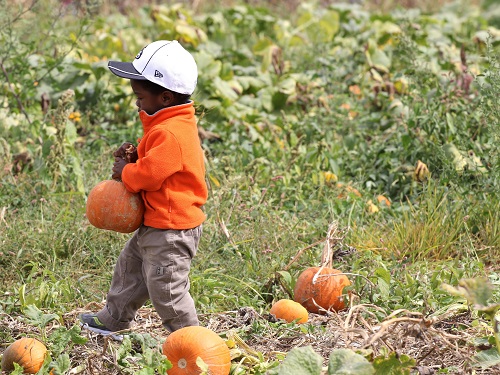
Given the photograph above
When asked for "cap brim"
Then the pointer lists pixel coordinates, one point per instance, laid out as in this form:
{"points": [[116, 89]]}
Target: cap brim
{"points": [[125, 70]]}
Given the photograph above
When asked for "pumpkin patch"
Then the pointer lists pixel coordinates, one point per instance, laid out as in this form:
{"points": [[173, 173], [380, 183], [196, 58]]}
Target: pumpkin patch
{"points": [[381, 117], [111, 206], [27, 352]]}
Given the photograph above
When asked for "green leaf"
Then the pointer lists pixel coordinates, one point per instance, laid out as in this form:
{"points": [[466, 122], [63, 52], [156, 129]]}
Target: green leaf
{"points": [[452, 152], [123, 351], [320, 28], [300, 361], [279, 100], [487, 358], [451, 123], [268, 56], [36, 317], [477, 291], [152, 361], [18, 370], [63, 339], [251, 83], [145, 339], [388, 28], [287, 86], [70, 132], [347, 362], [286, 276], [163, 20], [190, 34], [50, 130], [384, 274], [325, 30], [377, 58], [62, 364], [224, 89], [384, 288], [22, 294], [262, 46], [395, 364], [145, 371], [202, 365], [211, 68]]}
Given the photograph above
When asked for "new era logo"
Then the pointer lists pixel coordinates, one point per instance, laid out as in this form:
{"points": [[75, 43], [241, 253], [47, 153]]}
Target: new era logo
{"points": [[158, 74]]}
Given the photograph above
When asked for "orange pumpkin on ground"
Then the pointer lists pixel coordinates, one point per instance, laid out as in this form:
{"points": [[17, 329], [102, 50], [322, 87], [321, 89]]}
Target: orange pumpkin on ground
{"points": [[111, 206], [184, 346], [27, 352], [325, 292], [290, 311]]}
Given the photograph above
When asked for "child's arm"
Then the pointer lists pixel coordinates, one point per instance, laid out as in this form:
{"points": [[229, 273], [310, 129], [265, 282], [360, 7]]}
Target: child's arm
{"points": [[162, 158]]}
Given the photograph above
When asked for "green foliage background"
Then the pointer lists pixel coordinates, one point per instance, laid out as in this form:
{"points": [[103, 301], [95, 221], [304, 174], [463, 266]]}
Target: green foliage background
{"points": [[315, 114]]}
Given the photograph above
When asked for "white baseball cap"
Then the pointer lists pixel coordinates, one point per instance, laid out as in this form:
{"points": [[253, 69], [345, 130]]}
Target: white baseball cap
{"points": [[163, 62]]}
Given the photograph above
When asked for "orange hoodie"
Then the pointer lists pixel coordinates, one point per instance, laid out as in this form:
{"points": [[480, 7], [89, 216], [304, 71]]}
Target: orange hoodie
{"points": [[170, 170]]}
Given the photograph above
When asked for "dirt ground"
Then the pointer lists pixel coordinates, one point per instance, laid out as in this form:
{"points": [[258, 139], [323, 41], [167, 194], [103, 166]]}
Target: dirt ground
{"points": [[437, 343]]}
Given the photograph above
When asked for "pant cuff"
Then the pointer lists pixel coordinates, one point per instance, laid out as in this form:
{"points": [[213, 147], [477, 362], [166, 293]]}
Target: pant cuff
{"points": [[111, 323]]}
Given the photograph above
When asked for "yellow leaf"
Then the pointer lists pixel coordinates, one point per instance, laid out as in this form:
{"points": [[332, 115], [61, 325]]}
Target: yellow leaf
{"points": [[214, 180], [330, 177], [421, 172], [371, 208]]}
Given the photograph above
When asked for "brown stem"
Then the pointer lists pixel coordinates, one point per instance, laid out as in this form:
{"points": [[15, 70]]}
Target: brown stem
{"points": [[299, 253]]}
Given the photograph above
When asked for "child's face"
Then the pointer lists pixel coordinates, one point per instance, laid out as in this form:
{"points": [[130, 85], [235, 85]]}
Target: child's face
{"points": [[146, 100]]}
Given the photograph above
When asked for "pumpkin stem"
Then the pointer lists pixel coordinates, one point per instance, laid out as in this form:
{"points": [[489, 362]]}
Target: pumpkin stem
{"points": [[182, 363], [332, 239]]}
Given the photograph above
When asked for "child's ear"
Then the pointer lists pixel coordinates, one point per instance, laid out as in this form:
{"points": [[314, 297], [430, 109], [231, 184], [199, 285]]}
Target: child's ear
{"points": [[167, 97]]}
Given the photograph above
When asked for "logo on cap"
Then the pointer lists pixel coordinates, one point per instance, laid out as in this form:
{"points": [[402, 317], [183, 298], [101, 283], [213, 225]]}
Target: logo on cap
{"points": [[139, 54], [158, 74]]}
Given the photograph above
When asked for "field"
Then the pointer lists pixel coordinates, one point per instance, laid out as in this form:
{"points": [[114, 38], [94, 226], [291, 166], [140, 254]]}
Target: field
{"points": [[363, 133]]}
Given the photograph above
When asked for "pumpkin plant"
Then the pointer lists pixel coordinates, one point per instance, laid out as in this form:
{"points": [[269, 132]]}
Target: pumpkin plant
{"points": [[111, 206], [320, 289], [184, 346], [29, 353], [290, 311]]}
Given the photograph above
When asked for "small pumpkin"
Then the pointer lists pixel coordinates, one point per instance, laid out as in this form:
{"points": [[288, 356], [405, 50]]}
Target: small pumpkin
{"points": [[27, 352], [290, 311], [111, 206], [183, 346], [324, 292]]}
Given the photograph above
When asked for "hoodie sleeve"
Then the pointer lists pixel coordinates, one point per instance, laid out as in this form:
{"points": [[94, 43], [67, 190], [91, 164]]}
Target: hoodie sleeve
{"points": [[162, 159]]}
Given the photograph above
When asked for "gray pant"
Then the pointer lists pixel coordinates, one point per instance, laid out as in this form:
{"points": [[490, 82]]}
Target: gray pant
{"points": [[154, 264]]}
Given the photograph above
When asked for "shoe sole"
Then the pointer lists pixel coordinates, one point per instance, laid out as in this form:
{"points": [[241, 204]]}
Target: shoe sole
{"points": [[102, 332]]}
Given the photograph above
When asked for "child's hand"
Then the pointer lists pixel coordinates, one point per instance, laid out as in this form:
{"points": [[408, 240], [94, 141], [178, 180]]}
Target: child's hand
{"points": [[126, 151], [118, 168]]}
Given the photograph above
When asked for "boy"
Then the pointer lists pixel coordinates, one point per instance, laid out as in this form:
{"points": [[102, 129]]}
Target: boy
{"points": [[167, 169]]}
